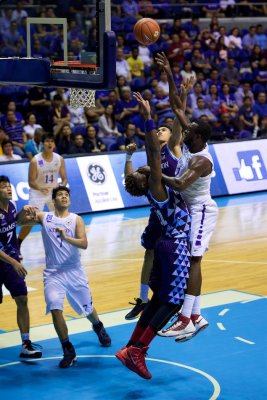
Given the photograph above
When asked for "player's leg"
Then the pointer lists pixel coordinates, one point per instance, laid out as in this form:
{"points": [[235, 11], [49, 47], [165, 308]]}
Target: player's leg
{"points": [[79, 296], [38, 202], [149, 237], [18, 290], [54, 291]]}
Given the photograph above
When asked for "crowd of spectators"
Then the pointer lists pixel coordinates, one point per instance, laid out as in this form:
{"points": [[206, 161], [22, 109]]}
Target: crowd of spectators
{"points": [[229, 67]]}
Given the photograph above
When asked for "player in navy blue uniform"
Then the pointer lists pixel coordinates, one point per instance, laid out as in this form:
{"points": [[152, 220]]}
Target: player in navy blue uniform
{"points": [[12, 272], [170, 272]]}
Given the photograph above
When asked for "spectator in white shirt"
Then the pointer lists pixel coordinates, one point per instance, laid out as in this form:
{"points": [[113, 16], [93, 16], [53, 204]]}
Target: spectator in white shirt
{"points": [[29, 129], [122, 67], [8, 155]]}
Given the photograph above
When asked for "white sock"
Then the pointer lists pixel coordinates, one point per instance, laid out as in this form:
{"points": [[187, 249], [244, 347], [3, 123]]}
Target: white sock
{"points": [[196, 307], [188, 305], [144, 292]]}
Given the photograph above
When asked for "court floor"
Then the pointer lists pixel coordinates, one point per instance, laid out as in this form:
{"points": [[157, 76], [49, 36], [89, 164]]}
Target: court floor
{"points": [[226, 361]]}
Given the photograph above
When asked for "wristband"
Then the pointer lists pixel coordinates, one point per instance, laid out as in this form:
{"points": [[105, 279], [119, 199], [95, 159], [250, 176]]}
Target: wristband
{"points": [[150, 125], [128, 157]]}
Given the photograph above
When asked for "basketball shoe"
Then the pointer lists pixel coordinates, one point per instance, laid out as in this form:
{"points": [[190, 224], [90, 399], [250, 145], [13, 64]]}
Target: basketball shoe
{"points": [[102, 334], [121, 355], [135, 361], [200, 323], [138, 308], [30, 350], [69, 357], [182, 329]]}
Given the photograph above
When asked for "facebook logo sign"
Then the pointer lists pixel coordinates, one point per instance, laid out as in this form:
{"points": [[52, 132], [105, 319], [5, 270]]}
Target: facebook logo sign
{"points": [[251, 168]]}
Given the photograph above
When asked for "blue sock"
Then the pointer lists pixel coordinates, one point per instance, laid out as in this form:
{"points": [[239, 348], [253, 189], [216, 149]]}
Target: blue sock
{"points": [[25, 336]]}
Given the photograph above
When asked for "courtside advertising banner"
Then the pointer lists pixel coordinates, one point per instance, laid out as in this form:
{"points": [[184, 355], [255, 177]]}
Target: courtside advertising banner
{"points": [[243, 165], [100, 183]]}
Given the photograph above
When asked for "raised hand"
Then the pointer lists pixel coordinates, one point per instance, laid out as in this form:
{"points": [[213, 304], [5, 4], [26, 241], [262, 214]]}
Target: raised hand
{"points": [[163, 62], [144, 104], [187, 85], [131, 148]]}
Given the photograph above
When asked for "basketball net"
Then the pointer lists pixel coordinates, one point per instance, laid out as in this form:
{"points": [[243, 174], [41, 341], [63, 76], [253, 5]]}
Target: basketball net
{"points": [[82, 97]]}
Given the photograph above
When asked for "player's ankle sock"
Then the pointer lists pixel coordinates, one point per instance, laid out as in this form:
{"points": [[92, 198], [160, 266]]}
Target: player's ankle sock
{"points": [[144, 289], [25, 336], [98, 325], [146, 338], [66, 344], [196, 307], [188, 305]]}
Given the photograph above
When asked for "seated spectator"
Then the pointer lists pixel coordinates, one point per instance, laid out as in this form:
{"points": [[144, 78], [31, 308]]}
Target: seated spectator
{"points": [[145, 54], [128, 107], [192, 28], [111, 99], [107, 127], [77, 116], [193, 96], [59, 112], [146, 9], [255, 56], [250, 40], [3, 136], [228, 103], [260, 106], [262, 128], [130, 7], [185, 41], [201, 109], [248, 118], [14, 130], [187, 71], [78, 146], [228, 8], [129, 137], [122, 66], [200, 63], [64, 139], [93, 113], [136, 64], [214, 79], [176, 75], [225, 130], [174, 52], [261, 72], [261, 37], [92, 143], [210, 9], [13, 39], [11, 106], [213, 100], [31, 125], [8, 155], [34, 145], [235, 40], [211, 54], [162, 105], [163, 82], [64, 93], [230, 75], [121, 83], [121, 44], [242, 91], [39, 105]]}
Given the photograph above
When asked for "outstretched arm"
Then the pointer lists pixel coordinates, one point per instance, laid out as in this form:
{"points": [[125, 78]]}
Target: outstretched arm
{"points": [[128, 167], [153, 152], [199, 166]]}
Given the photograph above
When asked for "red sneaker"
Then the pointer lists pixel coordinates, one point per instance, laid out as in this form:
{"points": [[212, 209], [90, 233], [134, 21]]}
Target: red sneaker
{"points": [[135, 361], [121, 355], [199, 322]]}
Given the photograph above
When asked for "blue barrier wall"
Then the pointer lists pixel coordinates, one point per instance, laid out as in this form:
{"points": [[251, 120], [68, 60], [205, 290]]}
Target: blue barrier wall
{"points": [[96, 181]]}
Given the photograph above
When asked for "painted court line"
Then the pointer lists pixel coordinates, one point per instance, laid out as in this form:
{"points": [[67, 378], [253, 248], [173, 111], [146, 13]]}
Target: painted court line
{"points": [[220, 326], [79, 325], [244, 340], [223, 312]]}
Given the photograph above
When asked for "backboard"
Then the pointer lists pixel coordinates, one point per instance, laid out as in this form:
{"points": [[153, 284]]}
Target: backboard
{"points": [[76, 40]]}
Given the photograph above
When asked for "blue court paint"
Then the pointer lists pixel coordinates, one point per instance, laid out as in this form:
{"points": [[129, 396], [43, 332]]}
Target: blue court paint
{"points": [[237, 367]]}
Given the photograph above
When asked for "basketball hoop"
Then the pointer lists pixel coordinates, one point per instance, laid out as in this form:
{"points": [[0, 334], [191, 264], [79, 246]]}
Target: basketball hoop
{"points": [[82, 98]]}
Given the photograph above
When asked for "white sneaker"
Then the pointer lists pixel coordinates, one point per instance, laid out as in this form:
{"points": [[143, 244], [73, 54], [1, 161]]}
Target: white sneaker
{"points": [[199, 322], [30, 350], [182, 329]]}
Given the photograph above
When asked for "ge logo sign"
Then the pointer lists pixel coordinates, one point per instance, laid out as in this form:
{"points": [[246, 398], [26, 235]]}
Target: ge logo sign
{"points": [[96, 174]]}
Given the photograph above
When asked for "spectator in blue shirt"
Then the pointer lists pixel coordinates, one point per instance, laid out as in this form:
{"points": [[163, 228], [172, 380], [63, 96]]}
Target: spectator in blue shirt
{"points": [[261, 105], [34, 145]]}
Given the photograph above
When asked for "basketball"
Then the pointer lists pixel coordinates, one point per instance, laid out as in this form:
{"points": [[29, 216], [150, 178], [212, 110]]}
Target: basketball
{"points": [[146, 31]]}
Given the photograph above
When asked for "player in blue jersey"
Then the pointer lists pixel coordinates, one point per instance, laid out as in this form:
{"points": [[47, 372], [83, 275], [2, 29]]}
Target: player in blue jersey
{"points": [[170, 271], [12, 272]]}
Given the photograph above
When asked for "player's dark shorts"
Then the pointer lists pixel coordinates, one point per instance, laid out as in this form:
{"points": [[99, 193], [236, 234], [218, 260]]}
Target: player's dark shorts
{"points": [[170, 270], [12, 281], [152, 232]]}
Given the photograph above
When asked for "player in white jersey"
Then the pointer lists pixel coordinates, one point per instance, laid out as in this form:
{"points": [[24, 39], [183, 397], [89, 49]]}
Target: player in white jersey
{"points": [[44, 170], [63, 235]]}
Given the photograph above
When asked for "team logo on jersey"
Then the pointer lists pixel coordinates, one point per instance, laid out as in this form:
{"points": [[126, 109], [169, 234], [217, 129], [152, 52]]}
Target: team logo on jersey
{"points": [[2, 216], [251, 167], [96, 173], [40, 163], [49, 218]]}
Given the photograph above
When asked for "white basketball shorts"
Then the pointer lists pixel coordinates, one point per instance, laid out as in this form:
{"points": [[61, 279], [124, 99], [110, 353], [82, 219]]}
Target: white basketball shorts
{"points": [[72, 283], [40, 201], [204, 218]]}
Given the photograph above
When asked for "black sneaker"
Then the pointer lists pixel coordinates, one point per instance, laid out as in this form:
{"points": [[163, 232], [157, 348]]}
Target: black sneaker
{"points": [[30, 350], [138, 308], [69, 358], [102, 334]]}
